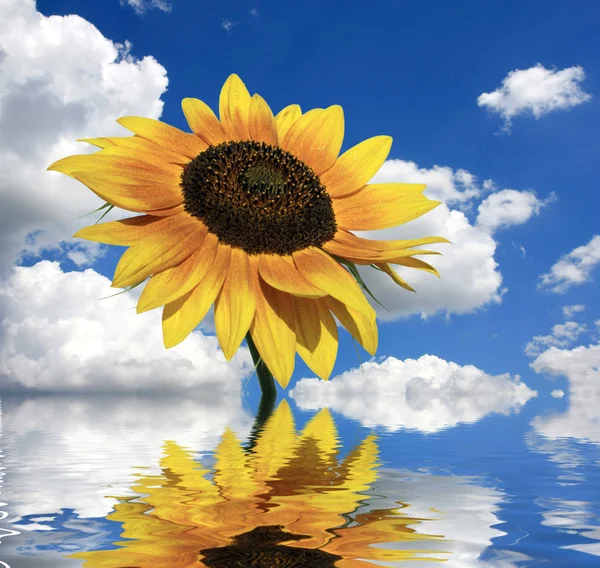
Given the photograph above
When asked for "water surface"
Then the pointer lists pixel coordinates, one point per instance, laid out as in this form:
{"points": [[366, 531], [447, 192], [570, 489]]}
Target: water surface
{"points": [[169, 482]]}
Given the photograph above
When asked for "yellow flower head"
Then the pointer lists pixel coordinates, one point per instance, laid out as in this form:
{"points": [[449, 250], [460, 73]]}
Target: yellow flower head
{"points": [[290, 501], [252, 213]]}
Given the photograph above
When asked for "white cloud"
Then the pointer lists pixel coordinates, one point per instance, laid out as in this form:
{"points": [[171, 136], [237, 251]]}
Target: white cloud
{"points": [[142, 6], [443, 183], [90, 443], [571, 310], [227, 25], [57, 335], [508, 207], [60, 79], [581, 367], [470, 277], [573, 268], [426, 394], [536, 90], [563, 334], [557, 393]]}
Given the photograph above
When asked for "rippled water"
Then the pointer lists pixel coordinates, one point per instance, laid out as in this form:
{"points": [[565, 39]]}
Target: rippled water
{"points": [[133, 482]]}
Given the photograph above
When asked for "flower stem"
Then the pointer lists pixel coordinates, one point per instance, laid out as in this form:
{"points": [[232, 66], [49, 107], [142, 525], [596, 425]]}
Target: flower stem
{"points": [[268, 393], [265, 378]]}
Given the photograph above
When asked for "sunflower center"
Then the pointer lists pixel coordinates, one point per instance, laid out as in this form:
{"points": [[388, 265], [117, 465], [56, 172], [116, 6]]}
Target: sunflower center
{"points": [[258, 198]]}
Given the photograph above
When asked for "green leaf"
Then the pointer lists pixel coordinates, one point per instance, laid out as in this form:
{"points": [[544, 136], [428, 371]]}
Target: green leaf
{"points": [[354, 271], [96, 210], [104, 214], [358, 355], [127, 289]]}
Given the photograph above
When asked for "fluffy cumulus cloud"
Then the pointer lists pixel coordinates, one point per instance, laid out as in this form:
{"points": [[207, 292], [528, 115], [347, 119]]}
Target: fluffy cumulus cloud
{"points": [[563, 334], [426, 394], [57, 335], [572, 309], [60, 79], [470, 276], [573, 268], [142, 6], [508, 207], [581, 367], [536, 90]]}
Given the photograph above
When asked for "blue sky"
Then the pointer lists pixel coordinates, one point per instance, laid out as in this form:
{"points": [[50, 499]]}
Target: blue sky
{"points": [[414, 71]]}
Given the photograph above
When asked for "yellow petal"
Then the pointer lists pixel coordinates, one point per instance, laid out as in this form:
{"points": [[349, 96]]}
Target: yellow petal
{"points": [[392, 274], [316, 137], [118, 161], [362, 327], [234, 109], [203, 121], [273, 331], [416, 263], [327, 275], [170, 284], [357, 166], [351, 241], [149, 151], [280, 272], [316, 335], [99, 142], [122, 233], [167, 246], [133, 194], [285, 118], [262, 122], [184, 314], [235, 305], [164, 135], [381, 206]]}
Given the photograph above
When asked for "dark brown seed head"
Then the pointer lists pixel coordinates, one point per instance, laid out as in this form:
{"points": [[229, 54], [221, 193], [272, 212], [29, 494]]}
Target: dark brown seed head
{"points": [[258, 198]]}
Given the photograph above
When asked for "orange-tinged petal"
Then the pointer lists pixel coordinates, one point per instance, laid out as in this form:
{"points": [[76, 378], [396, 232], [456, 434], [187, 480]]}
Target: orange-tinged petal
{"points": [[273, 331], [316, 137], [235, 305], [285, 118], [316, 335], [281, 273], [134, 194], [203, 121], [168, 211], [145, 149], [170, 284], [381, 206], [326, 274], [392, 274], [357, 166], [362, 327], [234, 109], [120, 233], [184, 314], [353, 242], [164, 135], [176, 240], [107, 162], [262, 122]]}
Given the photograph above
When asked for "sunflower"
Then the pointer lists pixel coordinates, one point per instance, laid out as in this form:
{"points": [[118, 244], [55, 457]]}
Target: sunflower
{"points": [[290, 501], [252, 213]]}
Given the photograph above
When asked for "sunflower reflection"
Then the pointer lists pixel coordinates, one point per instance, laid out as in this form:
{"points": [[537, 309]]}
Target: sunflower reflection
{"points": [[289, 501]]}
